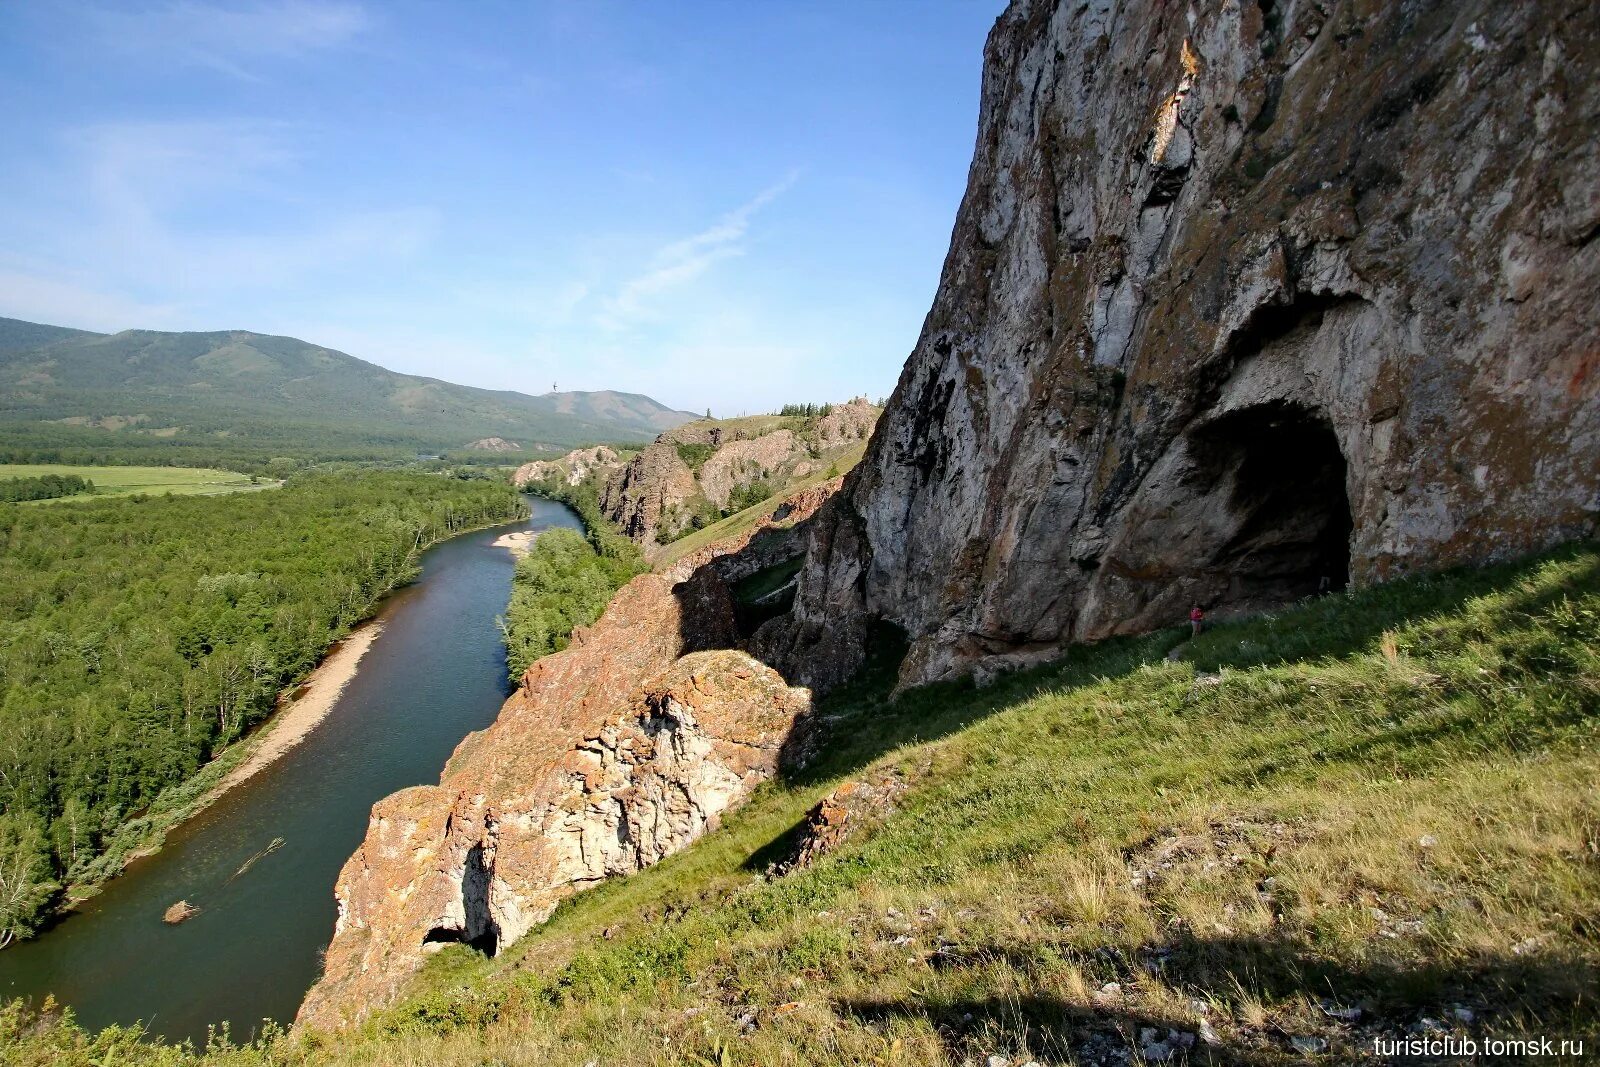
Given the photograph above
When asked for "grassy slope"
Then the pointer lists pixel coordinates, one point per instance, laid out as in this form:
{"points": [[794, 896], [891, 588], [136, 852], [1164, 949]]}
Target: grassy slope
{"points": [[1382, 801], [127, 481]]}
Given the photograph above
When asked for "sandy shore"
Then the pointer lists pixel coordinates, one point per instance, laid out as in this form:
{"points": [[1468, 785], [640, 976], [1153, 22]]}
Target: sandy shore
{"points": [[298, 716], [519, 542]]}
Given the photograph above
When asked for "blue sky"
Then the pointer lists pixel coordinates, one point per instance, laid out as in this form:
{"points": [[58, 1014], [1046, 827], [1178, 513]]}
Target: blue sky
{"points": [[729, 204]]}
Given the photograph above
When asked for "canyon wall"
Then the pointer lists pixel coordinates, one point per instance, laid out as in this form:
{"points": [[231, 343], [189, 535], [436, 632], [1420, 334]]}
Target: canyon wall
{"points": [[1245, 301]]}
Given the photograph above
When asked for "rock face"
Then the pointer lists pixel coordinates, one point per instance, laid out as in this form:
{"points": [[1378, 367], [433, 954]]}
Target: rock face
{"points": [[775, 538], [494, 444], [658, 496], [743, 462], [1244, 301], [611, 755], [654, 482], [571, 468]]}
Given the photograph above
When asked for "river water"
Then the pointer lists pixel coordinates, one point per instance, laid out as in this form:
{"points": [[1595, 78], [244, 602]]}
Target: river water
{"points": [[436, 672]]}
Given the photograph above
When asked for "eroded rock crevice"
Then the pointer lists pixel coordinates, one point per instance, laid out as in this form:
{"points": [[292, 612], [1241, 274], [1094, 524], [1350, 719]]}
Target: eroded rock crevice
{"points": [[476, 927]]}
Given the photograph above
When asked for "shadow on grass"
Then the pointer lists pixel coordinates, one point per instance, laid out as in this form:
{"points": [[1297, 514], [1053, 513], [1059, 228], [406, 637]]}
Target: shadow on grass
{"points": [[859, 723], [1345, 624], [1504, 994]]}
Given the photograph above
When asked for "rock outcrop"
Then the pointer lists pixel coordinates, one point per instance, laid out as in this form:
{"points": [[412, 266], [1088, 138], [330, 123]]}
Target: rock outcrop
{"points": [[653, 484], [1244, 301], [611, 755], [701, 471], [571, 468], [494, 444], [847, 423], [775, 538], [839, 816], [742, 462]]}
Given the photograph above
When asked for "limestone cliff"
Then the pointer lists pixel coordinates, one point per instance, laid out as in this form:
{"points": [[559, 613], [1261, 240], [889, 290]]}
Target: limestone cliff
{"points": [[494, 444], [1244, 301]]}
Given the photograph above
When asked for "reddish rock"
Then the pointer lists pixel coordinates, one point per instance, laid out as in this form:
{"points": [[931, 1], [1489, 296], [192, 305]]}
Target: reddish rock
{"points": [[741, 463], [612, 754], [840, 815], [775, 538]]}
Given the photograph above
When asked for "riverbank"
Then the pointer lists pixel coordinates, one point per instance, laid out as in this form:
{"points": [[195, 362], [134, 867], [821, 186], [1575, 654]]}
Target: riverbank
{"points": [[302, 711], [519, 542], [435, 674], [300, 708]]}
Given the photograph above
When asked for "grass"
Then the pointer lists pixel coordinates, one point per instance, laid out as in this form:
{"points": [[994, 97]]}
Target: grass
{"points": [[767, 582], [1370, 815], [740, 521], [128, 481]]}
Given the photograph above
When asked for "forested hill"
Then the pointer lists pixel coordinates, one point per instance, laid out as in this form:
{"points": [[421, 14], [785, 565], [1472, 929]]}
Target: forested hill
{"points": [[127, 390]]}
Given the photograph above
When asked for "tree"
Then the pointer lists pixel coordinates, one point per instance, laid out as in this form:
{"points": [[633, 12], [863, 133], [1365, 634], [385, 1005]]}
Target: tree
{"points": [[73, 834], [25, 883]]}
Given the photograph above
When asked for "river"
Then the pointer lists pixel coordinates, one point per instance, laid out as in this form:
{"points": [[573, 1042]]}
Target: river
{"points": [[436, 672]]}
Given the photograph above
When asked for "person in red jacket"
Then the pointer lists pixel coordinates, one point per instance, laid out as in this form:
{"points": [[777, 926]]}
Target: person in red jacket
{"points": [[1197, 620]]}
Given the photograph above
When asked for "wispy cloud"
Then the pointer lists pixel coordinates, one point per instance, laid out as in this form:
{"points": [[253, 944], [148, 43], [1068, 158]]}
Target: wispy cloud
{"points": [[231, 37], [137, 168], [67, 302], [154, 219], [683, 261]]}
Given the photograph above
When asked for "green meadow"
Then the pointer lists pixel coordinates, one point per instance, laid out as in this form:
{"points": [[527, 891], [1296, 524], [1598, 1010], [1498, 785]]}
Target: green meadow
{"points": [[128, 481]]}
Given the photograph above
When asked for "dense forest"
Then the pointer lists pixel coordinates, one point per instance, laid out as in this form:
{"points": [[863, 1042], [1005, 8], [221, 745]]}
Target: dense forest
{"points": [[43, 487], [561, 584], [137, 637], [566, 580], [270, 451]]}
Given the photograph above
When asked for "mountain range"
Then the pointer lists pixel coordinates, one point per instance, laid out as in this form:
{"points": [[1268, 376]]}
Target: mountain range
{"points": [[235, 384]]}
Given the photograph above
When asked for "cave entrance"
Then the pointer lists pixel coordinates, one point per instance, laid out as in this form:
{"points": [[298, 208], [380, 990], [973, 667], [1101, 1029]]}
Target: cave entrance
{"points": [[485, 942], [1284, 475], [479, 930]]}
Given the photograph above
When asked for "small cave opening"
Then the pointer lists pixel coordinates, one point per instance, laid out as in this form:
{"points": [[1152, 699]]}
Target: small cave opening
{"points": [[1284, 473], [478, 931], [485, 942]]}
